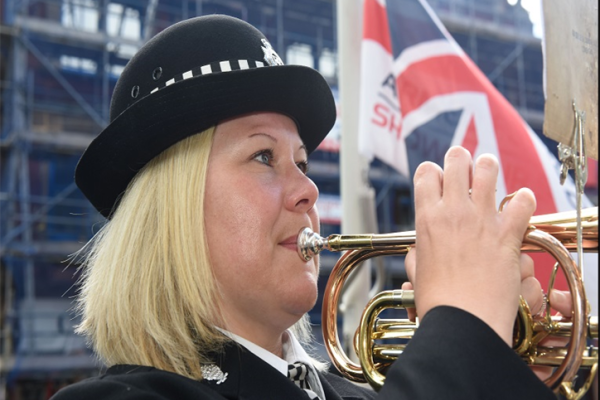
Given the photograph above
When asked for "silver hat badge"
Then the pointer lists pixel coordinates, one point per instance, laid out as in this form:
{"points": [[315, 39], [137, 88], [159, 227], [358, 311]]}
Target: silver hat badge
{"points": [[271, 57]]}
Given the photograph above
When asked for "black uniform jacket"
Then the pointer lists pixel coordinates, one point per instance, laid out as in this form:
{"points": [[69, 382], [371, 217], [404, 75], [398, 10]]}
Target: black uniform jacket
{"points": [[469, 361]]}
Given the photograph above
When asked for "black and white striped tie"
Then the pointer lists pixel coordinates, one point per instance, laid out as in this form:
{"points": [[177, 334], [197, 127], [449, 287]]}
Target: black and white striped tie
{"points": [[298, 373]]}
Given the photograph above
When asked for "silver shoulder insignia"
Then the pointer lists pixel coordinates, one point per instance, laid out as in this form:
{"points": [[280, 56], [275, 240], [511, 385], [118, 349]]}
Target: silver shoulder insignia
{"points": [[211, 372], [271, 57]]}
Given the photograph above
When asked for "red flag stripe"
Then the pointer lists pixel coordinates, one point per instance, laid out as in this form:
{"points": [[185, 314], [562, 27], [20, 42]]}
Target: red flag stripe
{"points": [[450, 74], [375, 24]]}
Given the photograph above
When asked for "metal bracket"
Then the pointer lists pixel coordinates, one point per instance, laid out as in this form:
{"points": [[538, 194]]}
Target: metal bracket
{"points": [[573, 157]]}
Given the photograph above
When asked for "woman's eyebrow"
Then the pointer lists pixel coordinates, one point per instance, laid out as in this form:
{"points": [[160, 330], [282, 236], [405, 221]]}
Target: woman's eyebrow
{"points": [[274, 139], [265, 135]]}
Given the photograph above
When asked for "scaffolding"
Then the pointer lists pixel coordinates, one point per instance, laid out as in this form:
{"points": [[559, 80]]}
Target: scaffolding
{"points": [[60, 60]]}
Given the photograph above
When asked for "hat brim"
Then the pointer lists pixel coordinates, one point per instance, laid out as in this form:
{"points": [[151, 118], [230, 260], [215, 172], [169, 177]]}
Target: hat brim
{"points": [[175, 112]]}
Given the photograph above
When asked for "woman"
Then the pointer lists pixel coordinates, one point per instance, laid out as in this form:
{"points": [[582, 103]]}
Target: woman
{"points": [[192, 288]]}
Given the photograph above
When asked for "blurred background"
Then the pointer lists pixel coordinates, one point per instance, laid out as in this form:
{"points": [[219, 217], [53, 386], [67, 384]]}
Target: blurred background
{"points": [[59, 62]]}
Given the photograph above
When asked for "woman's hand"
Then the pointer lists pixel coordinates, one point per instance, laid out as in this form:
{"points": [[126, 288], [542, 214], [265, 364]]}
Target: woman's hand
{"points": [[531, 291], [469, 254], [561, 302]]}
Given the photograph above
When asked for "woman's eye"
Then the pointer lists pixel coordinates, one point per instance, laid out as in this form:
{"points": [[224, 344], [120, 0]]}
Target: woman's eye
{"points": [[303, 166], [264, 157]]}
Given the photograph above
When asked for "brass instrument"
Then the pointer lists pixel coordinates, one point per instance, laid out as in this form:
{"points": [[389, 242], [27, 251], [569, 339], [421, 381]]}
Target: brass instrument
{"points": [[553, 233]]}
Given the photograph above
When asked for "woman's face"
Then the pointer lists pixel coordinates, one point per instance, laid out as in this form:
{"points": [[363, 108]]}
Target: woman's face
{"points": [[258, 197]]}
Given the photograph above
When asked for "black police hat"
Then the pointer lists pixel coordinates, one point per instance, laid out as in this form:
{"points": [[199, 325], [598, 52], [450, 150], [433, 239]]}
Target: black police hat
{"points": [[186, 79]]}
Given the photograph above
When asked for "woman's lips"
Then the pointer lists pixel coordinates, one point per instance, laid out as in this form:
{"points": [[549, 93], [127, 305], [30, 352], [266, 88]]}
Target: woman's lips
{"points": [[290, 243]]}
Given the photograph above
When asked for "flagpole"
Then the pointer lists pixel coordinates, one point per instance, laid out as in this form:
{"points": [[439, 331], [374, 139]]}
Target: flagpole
{"points": [[354, 168]]}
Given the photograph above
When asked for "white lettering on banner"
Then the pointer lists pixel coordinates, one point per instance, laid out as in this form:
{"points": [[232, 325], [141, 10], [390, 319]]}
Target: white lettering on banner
{"points": [[378, 95]]}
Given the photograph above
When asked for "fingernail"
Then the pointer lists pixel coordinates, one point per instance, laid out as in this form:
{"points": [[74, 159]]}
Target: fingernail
{"points": [[557, 296]]}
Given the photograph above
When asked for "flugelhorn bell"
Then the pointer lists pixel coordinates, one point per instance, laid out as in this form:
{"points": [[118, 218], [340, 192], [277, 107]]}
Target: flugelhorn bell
{"points": [[552, 233]]}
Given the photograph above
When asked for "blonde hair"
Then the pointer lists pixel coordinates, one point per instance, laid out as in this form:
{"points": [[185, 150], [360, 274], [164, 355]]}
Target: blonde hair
{"points": [[148, 294]]}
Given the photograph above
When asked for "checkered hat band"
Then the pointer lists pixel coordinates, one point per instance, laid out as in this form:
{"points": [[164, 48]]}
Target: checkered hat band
{"points": [[219, 66]]}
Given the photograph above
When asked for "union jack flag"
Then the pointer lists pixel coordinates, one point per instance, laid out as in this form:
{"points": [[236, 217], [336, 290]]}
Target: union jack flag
{"points": [[421, 94]]}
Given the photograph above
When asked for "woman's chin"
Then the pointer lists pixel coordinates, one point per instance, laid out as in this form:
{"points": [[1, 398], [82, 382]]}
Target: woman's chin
{"points": [[304, 300]]}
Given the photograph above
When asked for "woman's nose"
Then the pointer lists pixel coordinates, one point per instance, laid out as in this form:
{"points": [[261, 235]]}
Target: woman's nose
{"points": [[302, 193]]}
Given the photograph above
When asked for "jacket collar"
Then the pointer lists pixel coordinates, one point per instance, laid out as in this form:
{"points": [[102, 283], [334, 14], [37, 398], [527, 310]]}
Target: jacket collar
{"points": [[247, 374]]}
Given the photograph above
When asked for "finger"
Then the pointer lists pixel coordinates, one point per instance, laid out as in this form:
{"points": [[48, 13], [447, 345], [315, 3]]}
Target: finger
{"points": [[412, 312], [561, 301], [410, 264], [527, 268], [458, 166], [428, 185], [485, 178], [542, 373], [531, 290], [519, 210], [554, 341]]}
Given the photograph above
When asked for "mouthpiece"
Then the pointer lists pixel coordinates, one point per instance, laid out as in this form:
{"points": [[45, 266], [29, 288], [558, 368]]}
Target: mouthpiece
{"points": [[310, 244]]}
